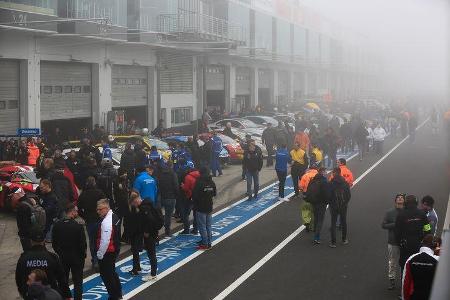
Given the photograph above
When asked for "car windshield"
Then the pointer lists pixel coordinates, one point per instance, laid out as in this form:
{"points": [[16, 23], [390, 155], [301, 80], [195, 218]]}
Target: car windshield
{"points": [[161, 145]]}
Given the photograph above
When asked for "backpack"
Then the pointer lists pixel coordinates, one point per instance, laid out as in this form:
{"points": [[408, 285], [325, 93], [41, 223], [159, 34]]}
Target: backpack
{"points": [[313, 191], [155, 218], [38, 218]]}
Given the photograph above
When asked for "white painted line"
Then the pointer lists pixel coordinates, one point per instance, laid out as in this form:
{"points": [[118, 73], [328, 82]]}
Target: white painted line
{"points": [[197, 253], [258, 265], [280, 246], [447, 216]]}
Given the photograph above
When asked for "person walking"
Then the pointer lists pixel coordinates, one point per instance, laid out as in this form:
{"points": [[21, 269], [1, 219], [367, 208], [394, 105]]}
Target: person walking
{"points": [[419, 271], [29, 215], [317, 195], [202, 197], [69, 242], [411, 226], [169, 192], [282, 159], [306, 207], [299, 164], [269, 137], [379, 134], [361, 135], [149, 220], [128, 161], [427, 205], [412, 125], [39, 257], [87, 206], [331, 145], [393, 246], [339, 198], [108, 248], [253, 162], [216, 142]]}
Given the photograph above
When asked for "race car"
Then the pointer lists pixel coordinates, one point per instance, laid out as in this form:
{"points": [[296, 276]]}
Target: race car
{"points": [[14, 180]]}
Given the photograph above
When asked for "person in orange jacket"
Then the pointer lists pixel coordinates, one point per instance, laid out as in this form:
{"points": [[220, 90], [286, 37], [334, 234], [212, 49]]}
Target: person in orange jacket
{"points": [[306, 178], [33, 152], [345, 171], [302, 139]]}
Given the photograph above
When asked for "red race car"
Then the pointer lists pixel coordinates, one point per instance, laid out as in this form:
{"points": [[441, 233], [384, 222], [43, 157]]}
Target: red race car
{"points": [[14, 180]]}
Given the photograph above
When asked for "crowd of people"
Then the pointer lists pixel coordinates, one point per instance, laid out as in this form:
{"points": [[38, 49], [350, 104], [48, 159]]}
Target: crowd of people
{"points": [[86, 191]]}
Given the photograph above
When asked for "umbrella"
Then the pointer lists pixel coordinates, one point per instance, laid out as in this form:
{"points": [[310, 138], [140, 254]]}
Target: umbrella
{"points": [[312, 105]]}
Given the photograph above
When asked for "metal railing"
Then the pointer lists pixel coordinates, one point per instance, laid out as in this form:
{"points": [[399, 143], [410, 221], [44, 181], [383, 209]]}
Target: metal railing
{"points": [[192, 22]]}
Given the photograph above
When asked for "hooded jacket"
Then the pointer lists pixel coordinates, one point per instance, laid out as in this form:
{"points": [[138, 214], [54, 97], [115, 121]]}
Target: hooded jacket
{"points": [[168, 183], [336, 184], [189, 182], [253, 160]]}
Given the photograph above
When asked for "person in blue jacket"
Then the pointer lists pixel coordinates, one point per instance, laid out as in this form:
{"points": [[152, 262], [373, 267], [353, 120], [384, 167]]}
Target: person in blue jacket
{"points": [[216, 149], [146, 186], [282, 159], [154, 157], [107, 153]]}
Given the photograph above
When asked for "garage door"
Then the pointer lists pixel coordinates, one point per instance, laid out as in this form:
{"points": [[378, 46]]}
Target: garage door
{"points": [[65, 91], [129, 86], [242, 81], [215, 78], [264, 79], [283, 83], [9, 96]]}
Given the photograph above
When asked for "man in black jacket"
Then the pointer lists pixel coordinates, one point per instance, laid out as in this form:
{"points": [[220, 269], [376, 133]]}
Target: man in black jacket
{"points": [[411, 226], [128, 161], [169, 192], [202, 196], [318, 195], [339, 197], [69, 242], [39, 258], [146, 228], [253, 162], [87, 204], [269, 137], [49, 202], [62, 187]]}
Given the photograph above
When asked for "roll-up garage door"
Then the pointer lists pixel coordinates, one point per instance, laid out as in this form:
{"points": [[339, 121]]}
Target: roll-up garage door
{"points": [[264, 79], [283, 83], [129, 86], [65, 91], [215, 78], [176, 75], [9, 96], [242, 81]]}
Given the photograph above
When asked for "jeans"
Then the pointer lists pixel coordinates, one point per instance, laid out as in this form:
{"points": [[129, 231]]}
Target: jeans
{"points": [[282, 180], [77, 276], [187, 208], [150, 247], [342, 213], [92, 232], [270, 153], [109, 276], [204, 226], [319, 216], [297, 172], [252, 176], [215, 164], [393, 257], [169, 206]]}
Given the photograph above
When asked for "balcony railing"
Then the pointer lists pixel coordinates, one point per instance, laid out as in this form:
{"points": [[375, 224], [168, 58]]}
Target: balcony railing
{"points": [[208, 26]]}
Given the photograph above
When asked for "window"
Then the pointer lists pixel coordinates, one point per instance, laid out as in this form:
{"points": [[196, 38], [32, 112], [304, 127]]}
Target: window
{"points": [[13, 104], [2, 104], [58, 89], [47, 89], [77, 89], [86, 89], [181, 115], [68, 89]]}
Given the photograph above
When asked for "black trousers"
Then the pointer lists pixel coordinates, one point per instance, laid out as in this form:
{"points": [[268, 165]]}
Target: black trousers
{"points": [[282, 179], [270, 153], [77, 276], [109, 276], [297, 172], [136, 242], [150, 246], [335, 212]]}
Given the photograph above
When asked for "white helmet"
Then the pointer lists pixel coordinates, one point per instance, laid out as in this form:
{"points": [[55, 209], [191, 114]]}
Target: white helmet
{"points": [[110, 138], [144, 131]]}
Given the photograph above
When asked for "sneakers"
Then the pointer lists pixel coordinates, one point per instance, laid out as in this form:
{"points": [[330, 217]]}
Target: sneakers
{"points": [[345, 242], [149, 278], [316, 242], [332, 245]]}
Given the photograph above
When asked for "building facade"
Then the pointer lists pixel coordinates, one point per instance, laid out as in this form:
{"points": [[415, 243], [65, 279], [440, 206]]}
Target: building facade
{"points": [[74, 63]]}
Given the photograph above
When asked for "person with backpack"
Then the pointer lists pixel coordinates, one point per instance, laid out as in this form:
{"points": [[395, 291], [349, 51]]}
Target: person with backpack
{"points": [[29, 215], [339, 198], [317, 195], [306, 208], [282, 159], [148, 220], [202, 197]]}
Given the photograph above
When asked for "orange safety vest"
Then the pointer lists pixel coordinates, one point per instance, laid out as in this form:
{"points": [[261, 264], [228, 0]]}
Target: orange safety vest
{"points": [[306, 178], [33, 155]]}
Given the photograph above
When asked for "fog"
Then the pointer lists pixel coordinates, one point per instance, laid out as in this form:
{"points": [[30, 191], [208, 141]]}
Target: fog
{"points": [[411, 37]]}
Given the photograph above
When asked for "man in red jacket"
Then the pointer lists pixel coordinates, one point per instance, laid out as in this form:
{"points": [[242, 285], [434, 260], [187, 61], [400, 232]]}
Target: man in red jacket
{"points": [[188, 186]]}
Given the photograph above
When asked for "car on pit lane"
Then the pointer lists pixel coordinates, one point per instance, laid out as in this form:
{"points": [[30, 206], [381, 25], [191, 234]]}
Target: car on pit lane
{"points": [[14, 179], [245, 125]]}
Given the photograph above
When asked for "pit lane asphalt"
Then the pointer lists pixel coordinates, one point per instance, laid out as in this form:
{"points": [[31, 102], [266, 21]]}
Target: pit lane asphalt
{"points": [[302, 270]]}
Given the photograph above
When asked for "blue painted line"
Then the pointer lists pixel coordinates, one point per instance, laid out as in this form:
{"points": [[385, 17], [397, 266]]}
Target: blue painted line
{"points": [[179, 247]]}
